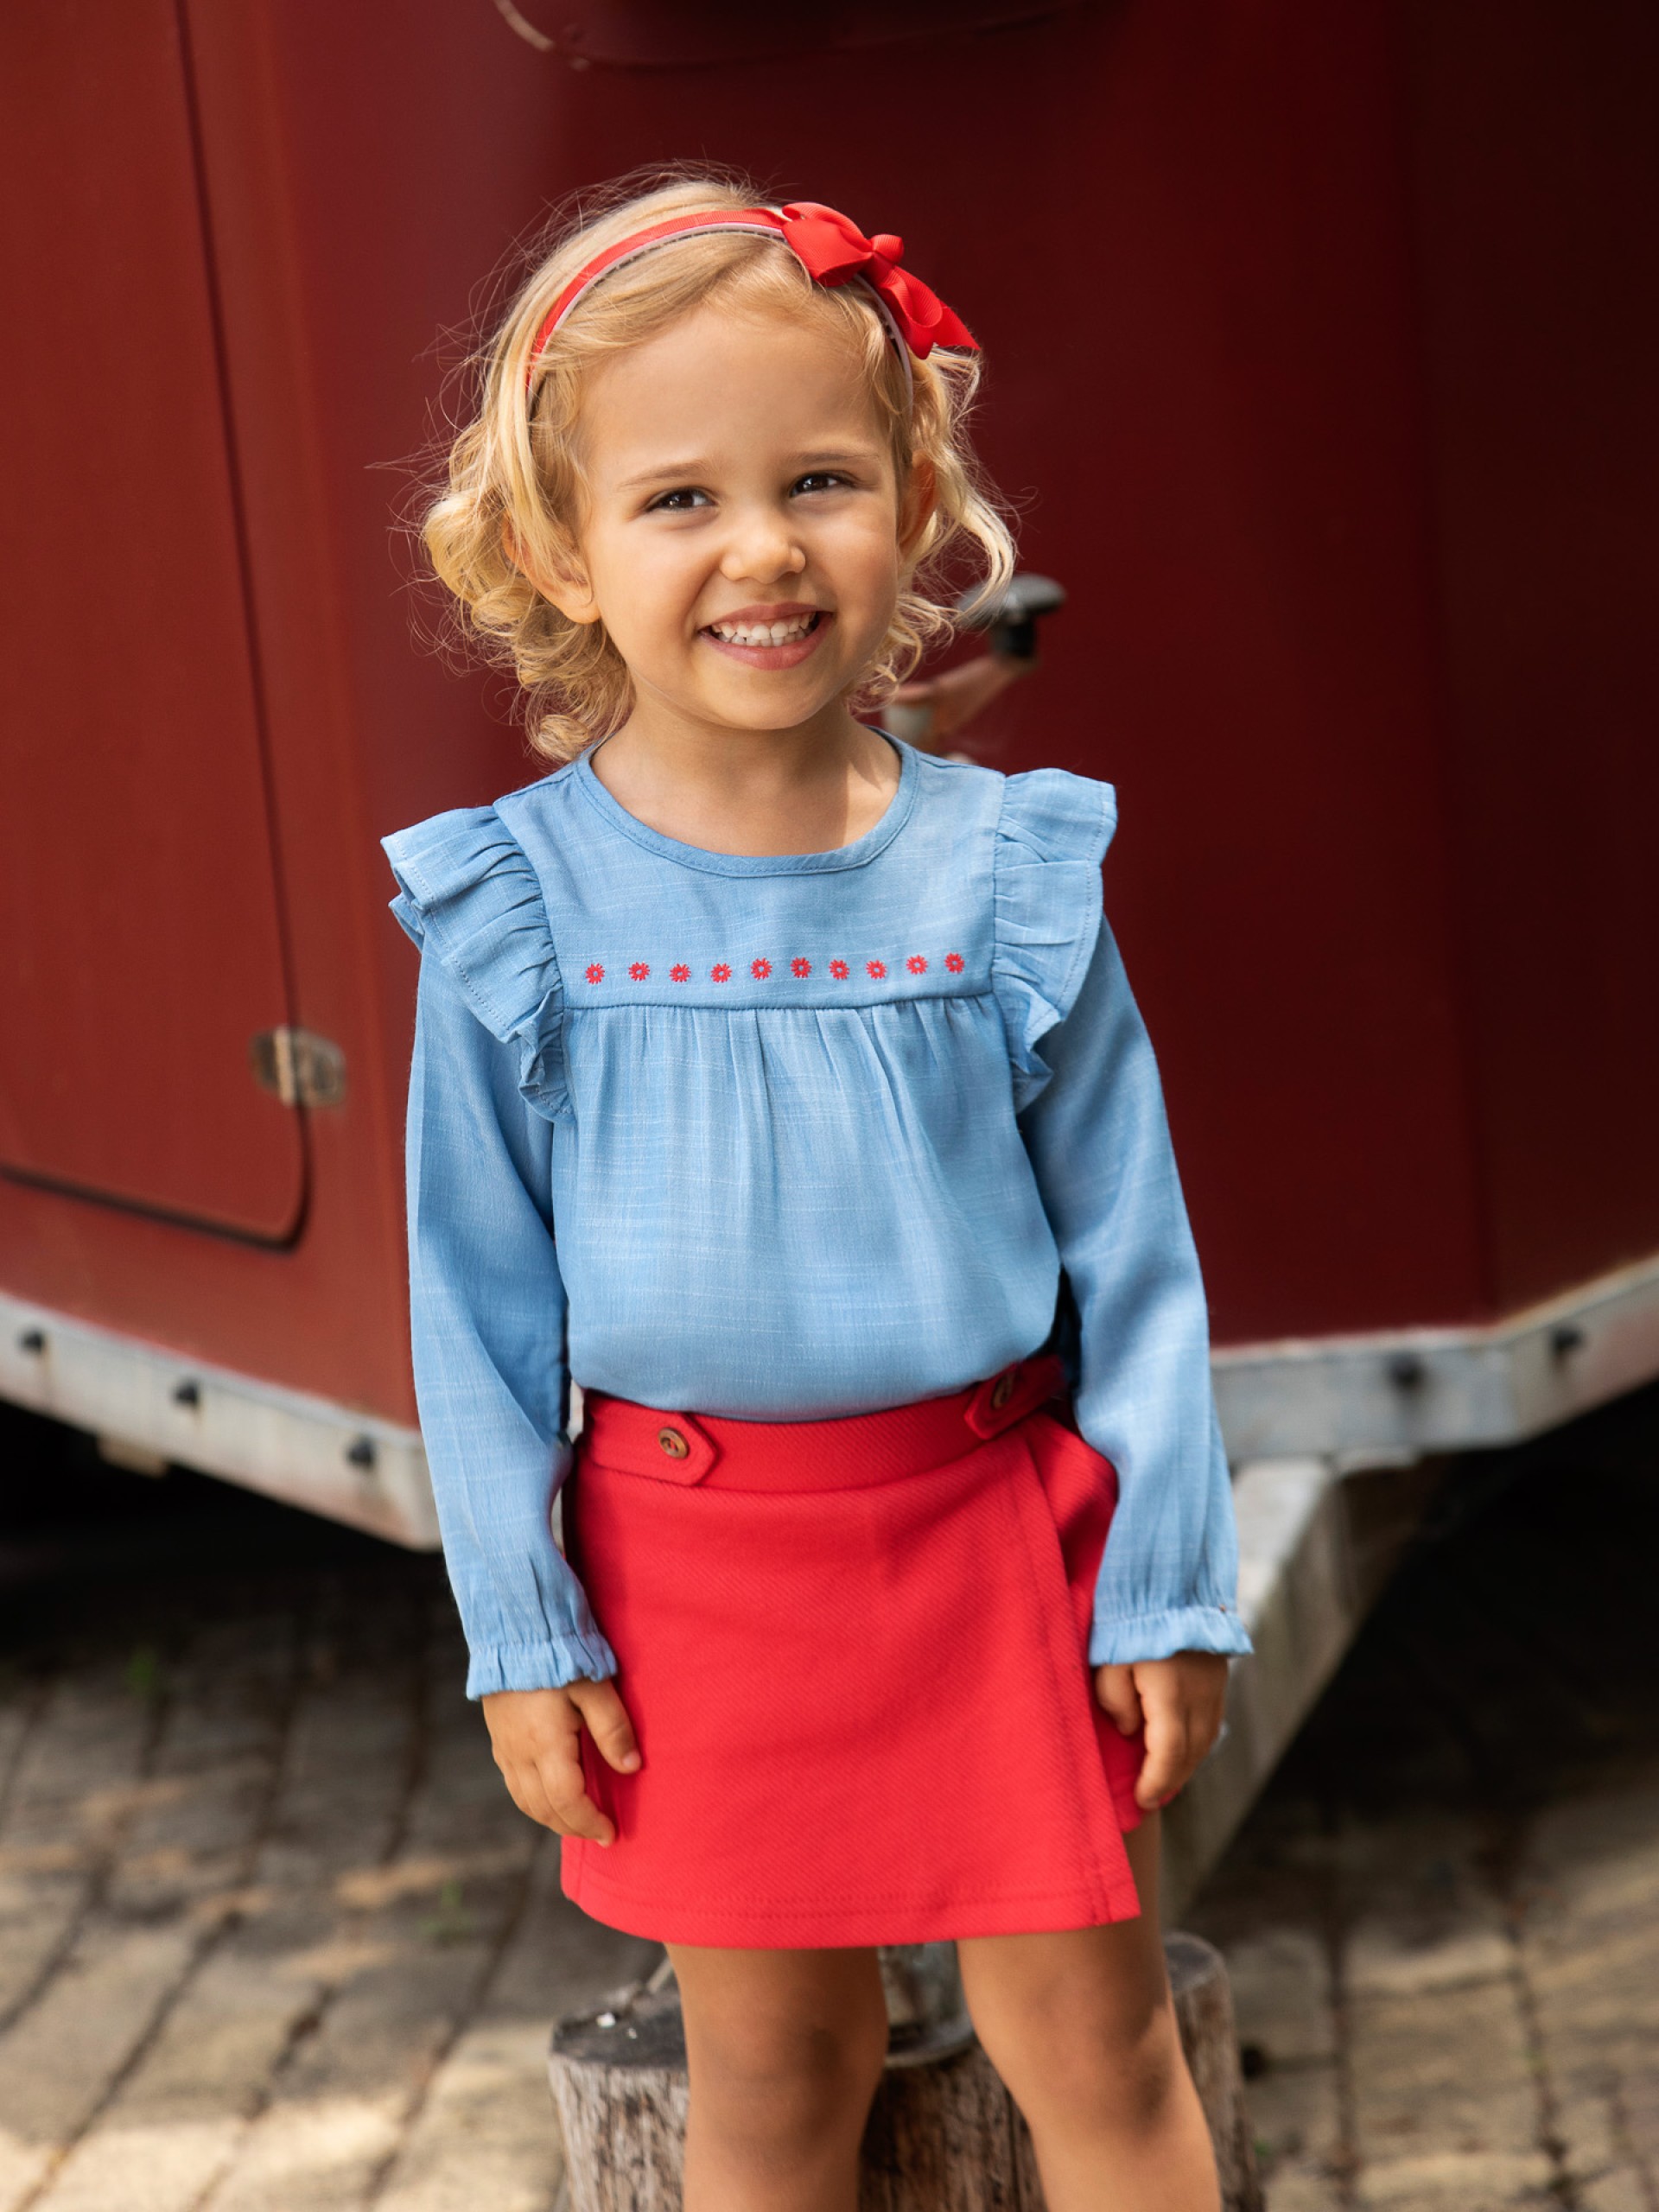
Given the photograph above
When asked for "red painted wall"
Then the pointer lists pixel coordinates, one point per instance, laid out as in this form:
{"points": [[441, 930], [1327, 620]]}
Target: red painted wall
{"points": [[1534, 184], [1316, 342]]}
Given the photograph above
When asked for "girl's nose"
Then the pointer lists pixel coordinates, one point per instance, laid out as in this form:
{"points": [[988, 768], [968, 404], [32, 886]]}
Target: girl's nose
{"points": [[762, 548]]}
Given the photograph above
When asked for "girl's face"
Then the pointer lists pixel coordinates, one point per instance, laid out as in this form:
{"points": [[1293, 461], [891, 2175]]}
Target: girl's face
{"points": [[743, 532]]}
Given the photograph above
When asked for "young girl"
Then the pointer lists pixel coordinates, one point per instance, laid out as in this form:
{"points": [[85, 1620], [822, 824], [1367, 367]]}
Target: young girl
{"points": [[781, 1085]]}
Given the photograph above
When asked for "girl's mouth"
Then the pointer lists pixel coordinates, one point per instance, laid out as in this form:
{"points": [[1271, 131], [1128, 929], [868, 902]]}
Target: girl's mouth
{"points": [[782, 640]]}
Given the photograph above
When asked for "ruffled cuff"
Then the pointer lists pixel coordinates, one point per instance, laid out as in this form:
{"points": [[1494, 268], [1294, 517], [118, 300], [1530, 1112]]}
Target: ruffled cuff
{"points": [[549, 1666], [1161, 1636]]}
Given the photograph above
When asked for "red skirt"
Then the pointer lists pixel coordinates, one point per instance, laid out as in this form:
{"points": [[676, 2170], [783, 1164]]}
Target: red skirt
{"points": [[855, 1656]]}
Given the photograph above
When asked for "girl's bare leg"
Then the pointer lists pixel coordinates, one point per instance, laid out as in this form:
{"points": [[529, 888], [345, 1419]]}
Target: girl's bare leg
{"points": [[1081, 2028], [786, 2049]]}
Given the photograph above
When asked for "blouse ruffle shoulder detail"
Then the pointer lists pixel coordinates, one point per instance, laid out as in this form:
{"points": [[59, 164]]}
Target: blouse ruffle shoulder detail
{"points": [[469, 896], [1051, 836]]}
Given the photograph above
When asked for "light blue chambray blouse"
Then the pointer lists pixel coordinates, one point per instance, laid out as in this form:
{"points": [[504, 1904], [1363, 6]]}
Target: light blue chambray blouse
{"points": [[781, 1138]]}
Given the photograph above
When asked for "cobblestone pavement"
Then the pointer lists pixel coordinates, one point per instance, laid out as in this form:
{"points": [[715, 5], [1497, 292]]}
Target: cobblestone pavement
{"points": [[273, 1940], [1442, 1920]]}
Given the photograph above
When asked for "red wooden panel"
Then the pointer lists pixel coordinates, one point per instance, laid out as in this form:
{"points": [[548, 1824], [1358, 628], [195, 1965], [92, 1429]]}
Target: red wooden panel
{"points": [[140, 908], [1537, 177]]}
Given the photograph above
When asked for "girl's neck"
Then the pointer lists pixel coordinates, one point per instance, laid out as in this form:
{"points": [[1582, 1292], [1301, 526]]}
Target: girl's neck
{"points": [[750, 791]]}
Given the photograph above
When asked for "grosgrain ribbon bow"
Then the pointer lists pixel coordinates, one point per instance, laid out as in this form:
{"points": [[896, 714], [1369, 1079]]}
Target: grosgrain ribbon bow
{"points": [[833, 250]]}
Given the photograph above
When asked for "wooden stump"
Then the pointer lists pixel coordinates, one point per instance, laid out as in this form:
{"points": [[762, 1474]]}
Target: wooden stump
{"points": [[1204, 2008], [944, 2135]]}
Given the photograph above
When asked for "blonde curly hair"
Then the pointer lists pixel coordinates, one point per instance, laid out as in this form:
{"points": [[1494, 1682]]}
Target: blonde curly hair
{"points": [[514, 482]]}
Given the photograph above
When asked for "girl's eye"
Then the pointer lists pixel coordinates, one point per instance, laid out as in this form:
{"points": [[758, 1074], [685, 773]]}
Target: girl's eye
{"points": [[677, 503], [820, 480]]}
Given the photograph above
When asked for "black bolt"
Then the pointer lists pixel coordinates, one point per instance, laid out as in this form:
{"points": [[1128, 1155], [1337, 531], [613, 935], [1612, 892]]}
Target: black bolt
{"points": [[1406, 1372], [187, 1394], [1566, 1339], [360, 1451], [32, 1340]]}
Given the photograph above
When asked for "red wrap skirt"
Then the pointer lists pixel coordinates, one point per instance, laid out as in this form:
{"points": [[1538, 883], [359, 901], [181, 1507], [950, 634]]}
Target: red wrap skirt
{"points": [[855, 1656]]}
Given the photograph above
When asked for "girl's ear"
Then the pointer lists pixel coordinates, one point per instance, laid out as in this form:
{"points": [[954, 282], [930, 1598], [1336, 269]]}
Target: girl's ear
{"points": [[921, 498], [569, 590]]}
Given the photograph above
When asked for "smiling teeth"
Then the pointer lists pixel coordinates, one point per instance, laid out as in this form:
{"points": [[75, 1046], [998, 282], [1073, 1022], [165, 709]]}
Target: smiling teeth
{"points": [[764, 633]]}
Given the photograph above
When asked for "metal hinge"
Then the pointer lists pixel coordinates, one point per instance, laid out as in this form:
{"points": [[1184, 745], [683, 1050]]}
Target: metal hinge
{"points": [[299, 1067]]}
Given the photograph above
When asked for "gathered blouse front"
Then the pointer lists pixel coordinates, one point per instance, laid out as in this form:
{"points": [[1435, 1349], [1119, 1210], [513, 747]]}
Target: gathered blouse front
{"points": [[771, 1137]]}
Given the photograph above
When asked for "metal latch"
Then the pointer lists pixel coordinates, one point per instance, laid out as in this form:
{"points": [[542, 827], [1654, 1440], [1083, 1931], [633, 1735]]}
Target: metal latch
{"points": [[298, 1066]]}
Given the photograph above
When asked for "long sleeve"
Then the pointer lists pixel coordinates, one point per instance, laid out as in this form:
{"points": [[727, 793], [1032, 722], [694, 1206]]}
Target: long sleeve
{"points": [[1091, 1113], [1099, 1143], [486, 1299], [486, 1310]]}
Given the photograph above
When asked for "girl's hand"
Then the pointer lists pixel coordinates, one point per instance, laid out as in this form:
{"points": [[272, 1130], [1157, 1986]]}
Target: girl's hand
{"points": [[536, 1736], [1178, 1701]]}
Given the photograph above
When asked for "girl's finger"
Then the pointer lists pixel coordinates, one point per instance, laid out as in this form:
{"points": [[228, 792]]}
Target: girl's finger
{"points": [[524, 1788], [1119, 1699], [571, 1810], [1160, 1774], [606, 1719]]}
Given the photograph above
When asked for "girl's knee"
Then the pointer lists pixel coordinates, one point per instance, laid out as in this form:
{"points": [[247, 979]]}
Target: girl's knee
{"points": [[776, 2080], [1116, 2073]]}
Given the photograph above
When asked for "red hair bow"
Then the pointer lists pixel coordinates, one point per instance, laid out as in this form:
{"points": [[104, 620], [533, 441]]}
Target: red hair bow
{"points": [[832, 250]]}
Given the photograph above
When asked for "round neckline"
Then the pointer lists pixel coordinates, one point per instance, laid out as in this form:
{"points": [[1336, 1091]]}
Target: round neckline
{"points": [[861, 850]]}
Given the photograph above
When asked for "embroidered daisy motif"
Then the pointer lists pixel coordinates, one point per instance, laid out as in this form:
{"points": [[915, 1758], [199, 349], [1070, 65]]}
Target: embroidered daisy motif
{"points": [[639, 970], [877, 968], [595, 974], [916, 964], [840, 970], [800, 967], [680, 972], [760, 969], [720, 972], [955, 963]]}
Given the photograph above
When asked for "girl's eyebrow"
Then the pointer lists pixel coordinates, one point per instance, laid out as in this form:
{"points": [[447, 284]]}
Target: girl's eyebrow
{"points": [[681, 472], [690, 472]]}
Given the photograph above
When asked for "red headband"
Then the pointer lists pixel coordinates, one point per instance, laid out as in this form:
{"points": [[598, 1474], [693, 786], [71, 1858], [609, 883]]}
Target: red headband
{"points": [[831, 249]]}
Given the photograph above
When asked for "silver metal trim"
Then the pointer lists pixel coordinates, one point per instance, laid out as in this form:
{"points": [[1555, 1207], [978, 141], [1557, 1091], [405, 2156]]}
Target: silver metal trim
{"points": [[1348, 1401], [1408, 1391], [141, 1399]]}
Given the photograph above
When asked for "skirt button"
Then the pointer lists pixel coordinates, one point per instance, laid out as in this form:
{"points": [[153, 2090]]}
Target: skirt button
{"points": [[673, 1443], [1002, 1391]]}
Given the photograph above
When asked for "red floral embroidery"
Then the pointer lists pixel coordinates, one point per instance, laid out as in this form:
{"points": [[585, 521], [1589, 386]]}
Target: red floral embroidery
{"points": [[760, 968]]}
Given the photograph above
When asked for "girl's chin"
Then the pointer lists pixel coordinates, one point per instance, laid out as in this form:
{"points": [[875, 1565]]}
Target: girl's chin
{"points": [[770, 698], [766, 707]]}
